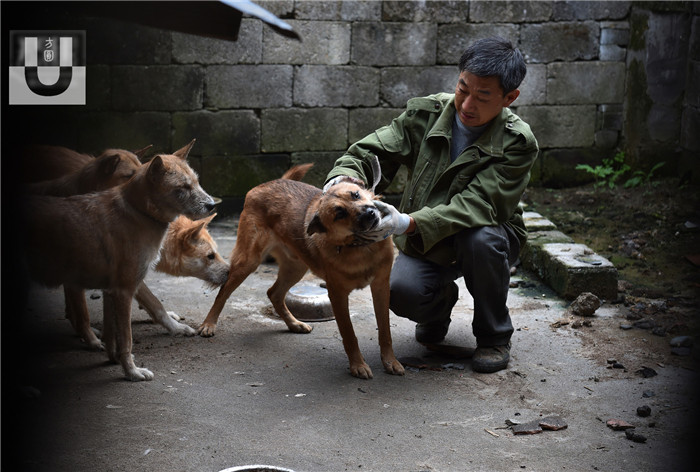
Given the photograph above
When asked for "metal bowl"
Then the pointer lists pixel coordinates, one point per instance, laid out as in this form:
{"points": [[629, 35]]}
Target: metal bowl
{"points": [[309, 303]]}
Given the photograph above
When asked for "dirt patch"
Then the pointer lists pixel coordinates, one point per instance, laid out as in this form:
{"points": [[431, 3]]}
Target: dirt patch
{"points": [[652, 236]]}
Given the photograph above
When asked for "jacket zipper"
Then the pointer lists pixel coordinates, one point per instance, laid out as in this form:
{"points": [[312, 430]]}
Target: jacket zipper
{"points": [[415, 186]]}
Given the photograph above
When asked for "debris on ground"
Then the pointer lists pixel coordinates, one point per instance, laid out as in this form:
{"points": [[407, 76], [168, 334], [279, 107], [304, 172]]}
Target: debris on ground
{"points": [[636, 437], [618, 425], [644, 411], [647, 372], [585, 304], [551, 423]]}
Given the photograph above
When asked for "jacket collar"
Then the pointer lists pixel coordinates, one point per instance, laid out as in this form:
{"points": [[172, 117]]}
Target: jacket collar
{"points": [[490, 142]]}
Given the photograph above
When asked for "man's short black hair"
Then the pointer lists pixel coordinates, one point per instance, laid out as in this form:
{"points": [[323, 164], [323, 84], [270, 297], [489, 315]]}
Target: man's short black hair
{"points": [[495, 57]]}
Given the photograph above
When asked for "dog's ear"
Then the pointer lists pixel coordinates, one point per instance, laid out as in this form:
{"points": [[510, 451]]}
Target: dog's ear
{"points": [[315, 226], [142, 152], [194, 231], [108, 165], [156, 168], [184, 151]]}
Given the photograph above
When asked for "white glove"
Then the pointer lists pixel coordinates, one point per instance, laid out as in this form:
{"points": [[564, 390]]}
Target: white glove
{"points": [[392, 222]]}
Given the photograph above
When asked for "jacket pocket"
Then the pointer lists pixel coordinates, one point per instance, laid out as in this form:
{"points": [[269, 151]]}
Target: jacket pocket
{"points": [[459, 183]]}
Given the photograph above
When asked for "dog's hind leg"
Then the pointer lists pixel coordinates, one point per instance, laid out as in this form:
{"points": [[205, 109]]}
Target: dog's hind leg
{"points": [[156, 310], [117, 313], [78, 315], [247, 255], [290, 272]]}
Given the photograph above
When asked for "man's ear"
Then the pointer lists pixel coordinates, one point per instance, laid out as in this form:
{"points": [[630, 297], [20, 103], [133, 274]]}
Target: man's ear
{"points": [[510, 97]]}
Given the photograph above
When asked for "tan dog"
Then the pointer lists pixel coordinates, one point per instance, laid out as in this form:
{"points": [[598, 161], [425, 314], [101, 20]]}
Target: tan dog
{"points": [[108, 240], [188, 248], [303, 228]]}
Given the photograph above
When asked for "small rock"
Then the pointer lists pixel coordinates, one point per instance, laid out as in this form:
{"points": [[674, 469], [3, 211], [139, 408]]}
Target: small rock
{"points": [[680, 351], [644, 324], [659, 331], [644, 411], [617, 365], [647, 394], [682, 341], [533, 427], [647, 372], [626, 326], [636, 437], [553, 423], [618, 425], [585, 304]]}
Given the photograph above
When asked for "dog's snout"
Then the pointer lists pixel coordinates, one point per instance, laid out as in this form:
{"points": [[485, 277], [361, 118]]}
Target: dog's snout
{"points": [[210, 205], [369, 217]]}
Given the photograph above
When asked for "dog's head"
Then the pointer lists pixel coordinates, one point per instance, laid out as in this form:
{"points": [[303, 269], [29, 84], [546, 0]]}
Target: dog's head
{"points": [[113, 167], [189, 250], [345, 210], [176, 189]]}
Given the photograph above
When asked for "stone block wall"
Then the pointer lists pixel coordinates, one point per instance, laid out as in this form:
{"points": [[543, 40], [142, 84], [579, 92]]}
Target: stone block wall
{"points": [[265, 102]]}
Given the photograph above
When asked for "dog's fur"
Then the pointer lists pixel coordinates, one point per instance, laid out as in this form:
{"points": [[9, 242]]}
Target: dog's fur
{"points": [[303, 228], [83, 173], [110, 169], [108, 240], [188, 248]]}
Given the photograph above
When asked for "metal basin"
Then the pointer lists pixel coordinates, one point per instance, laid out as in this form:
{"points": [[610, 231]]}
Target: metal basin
{"points": [[309, 303]]}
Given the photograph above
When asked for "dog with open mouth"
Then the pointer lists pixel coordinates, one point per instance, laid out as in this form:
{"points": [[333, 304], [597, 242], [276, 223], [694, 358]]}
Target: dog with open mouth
{"points": [[304, 228]]}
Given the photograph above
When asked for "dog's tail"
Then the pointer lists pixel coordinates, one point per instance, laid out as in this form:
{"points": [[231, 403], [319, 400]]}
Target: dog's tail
{"points": [[297, 172]]}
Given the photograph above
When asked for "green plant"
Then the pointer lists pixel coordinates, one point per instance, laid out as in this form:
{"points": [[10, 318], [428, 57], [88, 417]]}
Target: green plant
{"points": [[609, 171], [640, 177]]}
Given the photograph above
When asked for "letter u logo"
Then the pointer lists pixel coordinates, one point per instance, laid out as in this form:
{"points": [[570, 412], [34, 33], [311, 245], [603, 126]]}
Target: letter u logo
{"points": [[31, 69]]}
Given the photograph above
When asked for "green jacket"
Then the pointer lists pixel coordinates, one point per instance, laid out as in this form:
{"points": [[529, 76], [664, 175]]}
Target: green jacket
{"points": [[482, 187]]}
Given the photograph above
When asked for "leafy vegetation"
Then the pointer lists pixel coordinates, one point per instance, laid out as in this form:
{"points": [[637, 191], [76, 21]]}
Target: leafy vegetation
{"points": [[609, 172]]}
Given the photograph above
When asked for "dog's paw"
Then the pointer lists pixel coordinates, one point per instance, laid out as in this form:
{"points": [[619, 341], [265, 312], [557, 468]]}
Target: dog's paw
{"points": [[94, 344], [361, 371], [174, 315], [206, 330], [393, 367], [181, 329], [299, 327], [139, 374]]}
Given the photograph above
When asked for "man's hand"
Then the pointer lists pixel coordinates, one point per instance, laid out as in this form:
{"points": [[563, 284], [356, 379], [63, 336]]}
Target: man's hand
{"points": [[392, 222]]}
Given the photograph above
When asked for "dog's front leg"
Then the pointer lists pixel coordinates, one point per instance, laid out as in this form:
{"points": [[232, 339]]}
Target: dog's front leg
{"points": [[380, 300], [339, 303], [156, 310], [117, 313]]}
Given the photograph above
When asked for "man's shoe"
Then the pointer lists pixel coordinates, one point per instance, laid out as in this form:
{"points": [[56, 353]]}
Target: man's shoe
{"points": [[491, 359], [432, 333]]}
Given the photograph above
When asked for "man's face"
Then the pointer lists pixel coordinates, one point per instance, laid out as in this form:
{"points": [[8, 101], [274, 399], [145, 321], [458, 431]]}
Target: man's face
{"points": [[480, 99]]}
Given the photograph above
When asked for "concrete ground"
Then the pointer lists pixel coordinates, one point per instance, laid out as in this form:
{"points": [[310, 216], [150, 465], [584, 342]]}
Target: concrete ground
{"points": [[258, 394]]}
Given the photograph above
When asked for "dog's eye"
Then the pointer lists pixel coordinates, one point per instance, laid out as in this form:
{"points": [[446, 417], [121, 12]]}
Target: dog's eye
{"points": [[340, 213], [355, 195], [211, 256]]}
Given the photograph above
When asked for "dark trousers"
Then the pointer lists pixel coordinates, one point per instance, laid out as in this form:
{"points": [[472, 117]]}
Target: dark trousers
{"points": [[425, 292]]}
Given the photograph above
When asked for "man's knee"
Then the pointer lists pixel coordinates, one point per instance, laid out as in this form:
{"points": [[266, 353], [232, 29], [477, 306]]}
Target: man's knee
{"points": [[486, 242]]}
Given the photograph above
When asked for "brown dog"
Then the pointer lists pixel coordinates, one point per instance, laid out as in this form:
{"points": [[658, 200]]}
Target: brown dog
{"points": [[303, 228], [188, 248], [108, 239], [81, 173]]}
